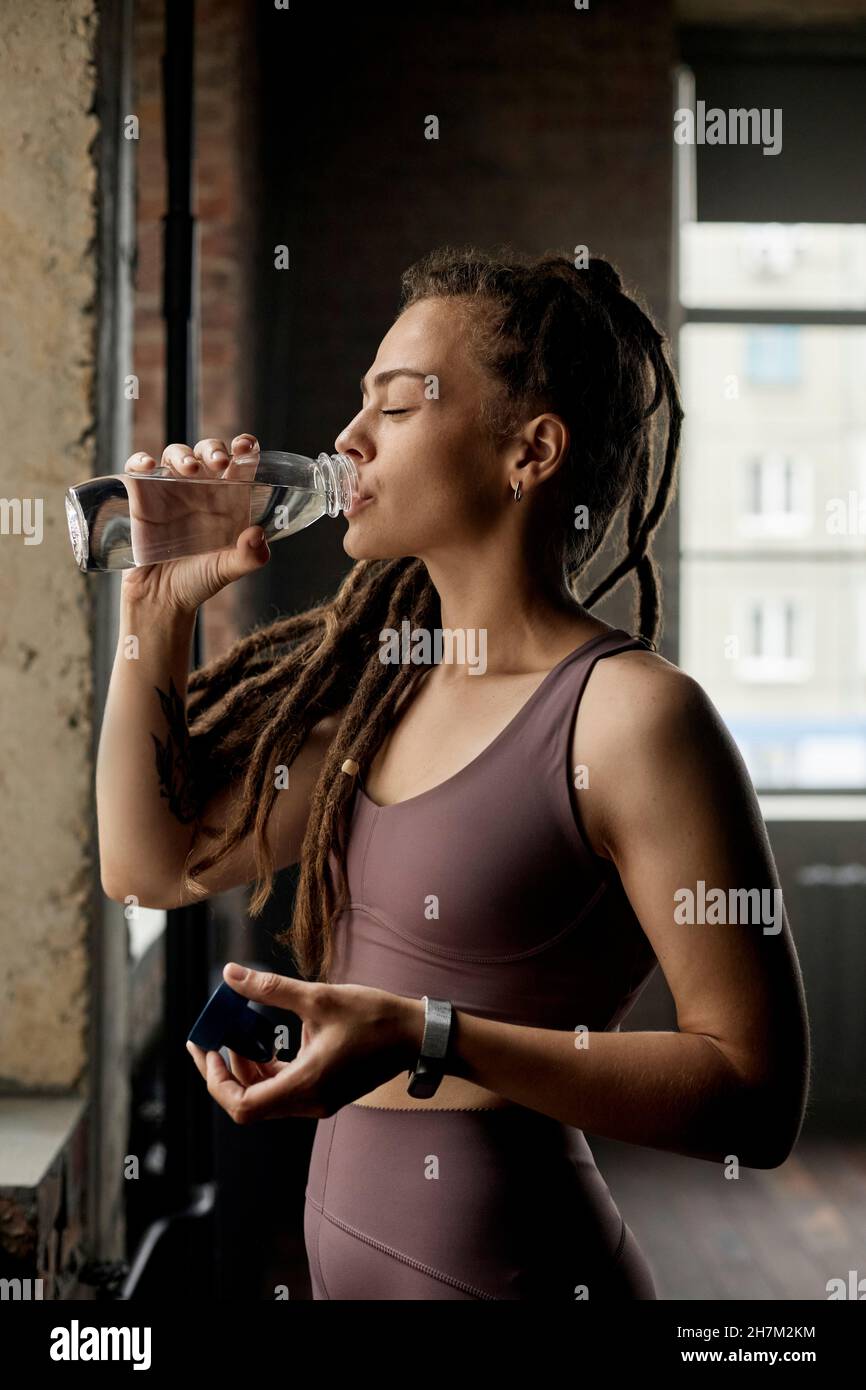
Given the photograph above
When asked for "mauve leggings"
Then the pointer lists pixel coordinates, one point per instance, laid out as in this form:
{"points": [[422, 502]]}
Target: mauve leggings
{"points": [[463, 1204]]}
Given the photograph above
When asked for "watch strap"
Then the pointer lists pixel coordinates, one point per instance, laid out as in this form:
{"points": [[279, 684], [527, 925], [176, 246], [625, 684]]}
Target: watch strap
{"points": [[430, 1066]]}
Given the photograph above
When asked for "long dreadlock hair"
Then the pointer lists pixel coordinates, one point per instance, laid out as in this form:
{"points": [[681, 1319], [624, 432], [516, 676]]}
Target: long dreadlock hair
{"points": [[551, 336]]}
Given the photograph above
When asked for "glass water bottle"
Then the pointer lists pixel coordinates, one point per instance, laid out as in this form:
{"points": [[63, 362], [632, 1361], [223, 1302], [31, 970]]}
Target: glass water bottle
{"points": [[125, 520]]}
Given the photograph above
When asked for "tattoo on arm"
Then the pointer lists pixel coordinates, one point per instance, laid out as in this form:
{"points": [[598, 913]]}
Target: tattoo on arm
{"points": [[174, 762]]}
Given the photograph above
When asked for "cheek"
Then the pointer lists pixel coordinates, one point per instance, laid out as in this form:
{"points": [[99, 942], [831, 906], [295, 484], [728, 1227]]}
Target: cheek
{"points": [[439, 469]]}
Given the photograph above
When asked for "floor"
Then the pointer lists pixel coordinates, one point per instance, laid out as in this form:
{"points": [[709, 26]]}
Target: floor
{"points": [[775, 1233]]}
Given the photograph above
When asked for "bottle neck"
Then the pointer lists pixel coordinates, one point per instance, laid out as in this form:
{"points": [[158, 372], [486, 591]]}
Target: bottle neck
{"points": [[341, 481]]}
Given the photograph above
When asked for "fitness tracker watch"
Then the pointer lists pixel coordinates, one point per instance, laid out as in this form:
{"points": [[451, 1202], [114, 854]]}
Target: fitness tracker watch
{"points": [[430, 1067]]}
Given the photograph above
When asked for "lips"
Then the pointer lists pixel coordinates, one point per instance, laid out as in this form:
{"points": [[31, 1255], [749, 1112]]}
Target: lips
{"points": [[358, 502]]}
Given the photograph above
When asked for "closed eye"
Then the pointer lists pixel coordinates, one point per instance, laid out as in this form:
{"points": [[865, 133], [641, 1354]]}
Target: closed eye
{"points": [[404, 411]]}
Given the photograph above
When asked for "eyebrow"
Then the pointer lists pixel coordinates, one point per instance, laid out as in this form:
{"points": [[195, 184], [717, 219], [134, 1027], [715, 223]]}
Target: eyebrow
{"points": [[381, 377]]}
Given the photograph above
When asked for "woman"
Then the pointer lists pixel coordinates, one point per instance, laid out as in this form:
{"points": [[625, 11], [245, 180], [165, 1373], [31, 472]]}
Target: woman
{"points": [[472, 840]]}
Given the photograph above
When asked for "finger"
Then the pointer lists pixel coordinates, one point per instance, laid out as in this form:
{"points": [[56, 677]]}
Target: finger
{"points": [[258, 1070], [246, 1070], [243, 444], [274, 1097], [179, 458], [139, 463], [214, 455], [272, 1068], [245, 457], [198, 1057], [268, 1099], [225, 1089], [244, 557], [267, 987]]}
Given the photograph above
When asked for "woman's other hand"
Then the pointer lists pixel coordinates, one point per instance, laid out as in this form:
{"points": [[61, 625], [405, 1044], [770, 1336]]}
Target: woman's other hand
{"points": [[353, 1039]]}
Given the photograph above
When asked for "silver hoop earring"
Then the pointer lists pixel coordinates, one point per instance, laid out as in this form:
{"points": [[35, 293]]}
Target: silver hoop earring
{"points": [[517, 491]]}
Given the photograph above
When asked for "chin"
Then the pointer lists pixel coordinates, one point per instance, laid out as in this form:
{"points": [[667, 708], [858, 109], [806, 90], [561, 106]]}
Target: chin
{"points": [[361, 547]]}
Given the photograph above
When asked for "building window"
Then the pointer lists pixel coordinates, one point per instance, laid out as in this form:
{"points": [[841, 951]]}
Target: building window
{"points": [[777, 495], [773, 355], [778, 647]]}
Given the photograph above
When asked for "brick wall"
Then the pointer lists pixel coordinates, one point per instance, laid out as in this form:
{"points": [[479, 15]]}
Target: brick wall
{"points": [[221, 200]]}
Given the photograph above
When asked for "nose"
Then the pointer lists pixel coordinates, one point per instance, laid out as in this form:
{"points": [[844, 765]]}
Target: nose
{"points": [[350, 441], [344, 441], [356, 441]]}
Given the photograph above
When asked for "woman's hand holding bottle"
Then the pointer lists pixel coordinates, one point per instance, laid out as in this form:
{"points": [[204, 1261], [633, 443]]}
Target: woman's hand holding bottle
{"points": [[157, 514]]}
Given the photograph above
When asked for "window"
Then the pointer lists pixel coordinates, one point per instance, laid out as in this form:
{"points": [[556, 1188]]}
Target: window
{"points": [[772, 358], [778, 644], [777, 494], [773, 355]]}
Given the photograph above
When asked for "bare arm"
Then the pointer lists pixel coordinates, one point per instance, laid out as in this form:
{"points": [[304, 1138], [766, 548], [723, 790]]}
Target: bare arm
{"points": [[671, 804], [144, 795], [145, 791]]}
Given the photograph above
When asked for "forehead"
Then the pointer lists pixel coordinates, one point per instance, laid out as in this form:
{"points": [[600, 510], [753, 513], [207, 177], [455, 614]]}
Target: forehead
{"points": [[428, 332]]}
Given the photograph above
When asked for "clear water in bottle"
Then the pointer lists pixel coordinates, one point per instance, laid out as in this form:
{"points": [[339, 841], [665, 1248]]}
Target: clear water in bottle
{"points": [[126, 520]]}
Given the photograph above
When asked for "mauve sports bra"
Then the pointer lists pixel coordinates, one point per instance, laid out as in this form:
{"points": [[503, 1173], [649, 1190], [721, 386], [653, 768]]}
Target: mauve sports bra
{"points": [[485, 890]]}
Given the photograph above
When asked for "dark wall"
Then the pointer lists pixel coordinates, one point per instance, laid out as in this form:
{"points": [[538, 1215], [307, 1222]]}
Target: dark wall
{"points": [[817, 79]]}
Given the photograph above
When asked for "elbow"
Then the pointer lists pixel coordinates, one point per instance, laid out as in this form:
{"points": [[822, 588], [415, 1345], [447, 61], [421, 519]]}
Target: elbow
{"points": [[778, 1148], [758, 1113], [770, 1156], [132, 894], [766, 1155], [772, 1126]]}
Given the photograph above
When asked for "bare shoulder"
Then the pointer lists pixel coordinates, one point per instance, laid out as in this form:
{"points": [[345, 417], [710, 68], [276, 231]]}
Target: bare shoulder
{"points": [[635, 690], [637, 699], [657, 751]]}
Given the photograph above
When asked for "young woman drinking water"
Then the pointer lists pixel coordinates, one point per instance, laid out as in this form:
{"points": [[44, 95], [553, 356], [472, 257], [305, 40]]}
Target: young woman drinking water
{"points": [[487, 880]]}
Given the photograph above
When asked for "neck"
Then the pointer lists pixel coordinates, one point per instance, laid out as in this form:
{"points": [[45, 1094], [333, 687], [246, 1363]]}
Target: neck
{"points": [[517, 618]]}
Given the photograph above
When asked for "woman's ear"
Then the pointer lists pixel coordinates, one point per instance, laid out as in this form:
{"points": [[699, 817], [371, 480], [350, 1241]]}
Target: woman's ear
{"points": [[540, 449]]}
